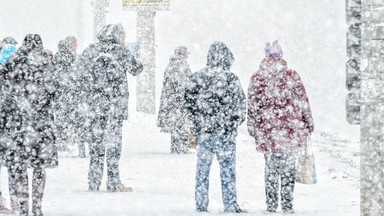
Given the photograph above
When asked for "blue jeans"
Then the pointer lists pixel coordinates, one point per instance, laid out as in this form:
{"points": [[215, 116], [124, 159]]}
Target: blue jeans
{"points": [[224, 146]]}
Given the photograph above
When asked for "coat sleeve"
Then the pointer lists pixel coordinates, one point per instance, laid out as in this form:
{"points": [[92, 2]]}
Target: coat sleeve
{"points": [[304, 101], [190, 96], [130, 63], [252, 107], [239, 102]]}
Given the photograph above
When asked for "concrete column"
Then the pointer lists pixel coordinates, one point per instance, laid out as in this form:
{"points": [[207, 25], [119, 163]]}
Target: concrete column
{"points": [[100, 12], [372, 109], [146, 83]]}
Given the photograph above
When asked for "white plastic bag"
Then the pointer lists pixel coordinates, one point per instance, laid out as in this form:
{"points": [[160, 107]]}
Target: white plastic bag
{"points": [[306, 171]]}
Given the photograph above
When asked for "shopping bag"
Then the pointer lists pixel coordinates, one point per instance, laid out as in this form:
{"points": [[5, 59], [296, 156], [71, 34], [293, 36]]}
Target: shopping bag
{"points": [[306, 170]]}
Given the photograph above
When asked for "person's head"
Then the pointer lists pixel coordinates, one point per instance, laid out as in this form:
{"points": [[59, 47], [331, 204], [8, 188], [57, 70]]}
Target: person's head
{"points": [[219, 55], [33, 42], [9, 40], [71, 42], [48, 54], [273, 50], [112, 34], [6, 52], [181, 52]]}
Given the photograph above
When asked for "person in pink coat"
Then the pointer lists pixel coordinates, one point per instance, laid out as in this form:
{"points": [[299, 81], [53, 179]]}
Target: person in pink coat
{"points": [[279, 118]]}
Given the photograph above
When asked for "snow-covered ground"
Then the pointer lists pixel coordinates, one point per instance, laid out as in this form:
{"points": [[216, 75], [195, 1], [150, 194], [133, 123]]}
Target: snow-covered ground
{"points": [[164, 183]]}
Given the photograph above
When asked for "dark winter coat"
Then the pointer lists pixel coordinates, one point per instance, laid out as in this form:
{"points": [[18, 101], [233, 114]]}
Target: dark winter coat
{"points": [[27, 110], [172, 113], [102, 68], [279, 115], [214, 96]]}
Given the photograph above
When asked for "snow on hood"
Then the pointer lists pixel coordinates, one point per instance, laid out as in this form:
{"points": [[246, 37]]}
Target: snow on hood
{"points": [[33, 42], [65, 55], [6, 52], [112, 33], [219, 55], [272, 66]]}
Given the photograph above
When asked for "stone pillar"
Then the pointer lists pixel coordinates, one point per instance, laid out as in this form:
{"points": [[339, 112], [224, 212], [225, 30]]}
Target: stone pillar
{"points": [[146, 81], [100, 12], [372, 109]]}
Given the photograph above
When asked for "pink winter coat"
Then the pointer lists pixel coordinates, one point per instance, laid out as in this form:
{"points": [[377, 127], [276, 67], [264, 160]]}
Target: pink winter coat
{"points": [[278, 108]]}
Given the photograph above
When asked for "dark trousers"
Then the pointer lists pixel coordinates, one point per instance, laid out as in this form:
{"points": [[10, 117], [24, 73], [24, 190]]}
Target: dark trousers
{"points": [[281, 165], [11, 181], [179, 141], [106, 141], [38, 185]]}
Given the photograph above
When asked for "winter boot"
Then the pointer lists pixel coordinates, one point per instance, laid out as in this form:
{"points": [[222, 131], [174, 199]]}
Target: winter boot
{"points": [[122, 188]]}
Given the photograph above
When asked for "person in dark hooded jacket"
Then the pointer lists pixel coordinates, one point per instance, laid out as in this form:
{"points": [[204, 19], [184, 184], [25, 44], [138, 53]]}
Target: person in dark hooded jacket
{"points": [[172, 117], [67, 100], [5, 54], [216, 102], [28, 120], [102, 69]]}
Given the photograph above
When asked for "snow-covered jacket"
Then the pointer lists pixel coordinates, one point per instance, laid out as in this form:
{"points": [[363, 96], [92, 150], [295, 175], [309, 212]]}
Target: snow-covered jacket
{"points": [[27, 110], [172, 113], [279, 115], [102, 74], [66, 80], [214, 96]]}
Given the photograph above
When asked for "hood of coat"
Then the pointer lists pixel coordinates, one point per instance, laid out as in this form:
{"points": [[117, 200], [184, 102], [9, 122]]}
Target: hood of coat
{"points": [[31, 43], [112, 33], [6, 52], [219, 55], [272, 66], [10, 40], [66, 55]]}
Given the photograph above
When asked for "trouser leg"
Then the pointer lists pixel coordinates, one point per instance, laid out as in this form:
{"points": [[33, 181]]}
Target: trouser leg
{"points": [[97, 154], [183, 141], [271, 181], [226, 156], [113, 143], [174, 140], [11, 181], [179, 141], [288, 175], [21, 180], [38, 186], [81, 146], [203, 166]]}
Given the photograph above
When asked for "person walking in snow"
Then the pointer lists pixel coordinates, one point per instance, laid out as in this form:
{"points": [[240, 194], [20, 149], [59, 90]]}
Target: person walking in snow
{"points": [[279, 118], [172, 116], [217, 105], [67, 100], [103, 68], [28, 120], [5, 54]]}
